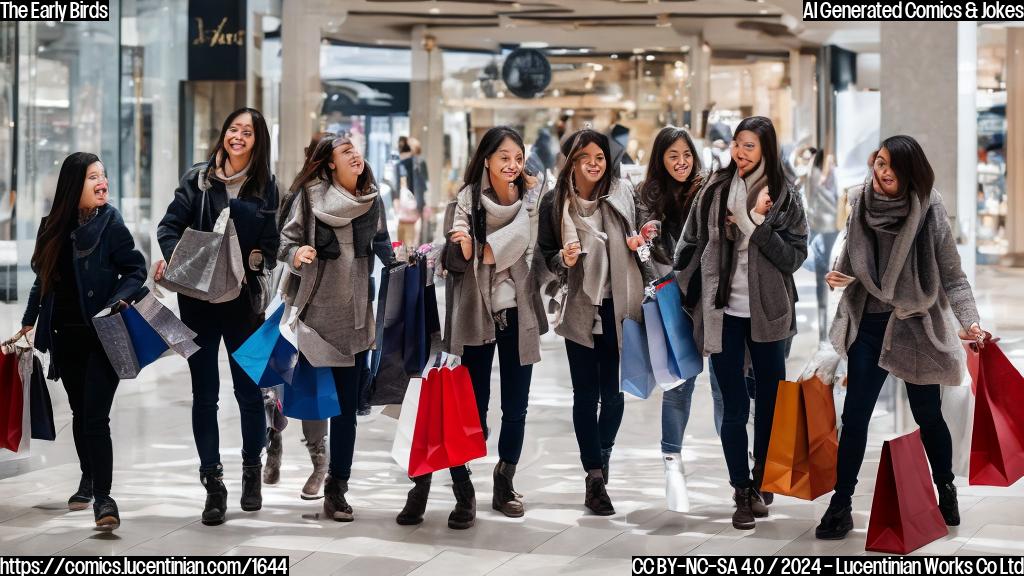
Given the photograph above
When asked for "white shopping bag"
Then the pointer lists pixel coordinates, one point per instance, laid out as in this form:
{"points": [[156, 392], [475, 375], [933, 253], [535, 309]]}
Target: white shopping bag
{"points": [[958, 412], [401, 448]]}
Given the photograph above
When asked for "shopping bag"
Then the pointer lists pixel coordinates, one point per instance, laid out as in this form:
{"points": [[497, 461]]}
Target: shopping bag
{"points": [[401, 447], [41, 409], [265, 356], [12, 408], [904, 512], [389, 378], [463, 434], [415, 341], [636, 375], [803, 447], [311, 394], [139, 334], [997, 443], [663, 365], [207, 265], [427, 453], [678, 331], [958, 411]]}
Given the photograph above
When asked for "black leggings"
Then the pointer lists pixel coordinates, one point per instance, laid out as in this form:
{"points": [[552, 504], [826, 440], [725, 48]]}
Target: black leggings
{"points": [[343, 426], [864, 384]]}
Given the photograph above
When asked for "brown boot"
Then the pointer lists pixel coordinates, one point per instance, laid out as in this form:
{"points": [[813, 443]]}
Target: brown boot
{"points": [[318, 456], [464, 515], [335, 506], [272, 469], [415, 502], [506, 499], [743, 517], [597, 499]]}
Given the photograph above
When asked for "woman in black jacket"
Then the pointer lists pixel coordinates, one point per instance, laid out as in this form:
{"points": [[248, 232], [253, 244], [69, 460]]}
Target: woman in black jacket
{"points": [[237, 175], [85, 261]]}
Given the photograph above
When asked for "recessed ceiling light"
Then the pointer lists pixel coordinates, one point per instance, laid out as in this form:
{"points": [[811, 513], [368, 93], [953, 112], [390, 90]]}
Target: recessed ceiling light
{"points": [[650, 57], [435, 10]]}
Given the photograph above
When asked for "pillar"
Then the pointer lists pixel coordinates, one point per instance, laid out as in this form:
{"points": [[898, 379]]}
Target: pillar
{"points": [[426, 120], [300, 84], [1015, 145]]}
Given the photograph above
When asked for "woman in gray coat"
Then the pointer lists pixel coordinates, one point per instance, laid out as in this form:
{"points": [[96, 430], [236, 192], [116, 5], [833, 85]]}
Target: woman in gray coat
{"points": [[743, 240], [903, 284], [586, 232], [335, 226]]}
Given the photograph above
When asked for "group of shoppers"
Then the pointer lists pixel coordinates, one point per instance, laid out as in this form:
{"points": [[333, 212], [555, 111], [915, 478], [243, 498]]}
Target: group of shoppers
{"points": [[732, 238]]}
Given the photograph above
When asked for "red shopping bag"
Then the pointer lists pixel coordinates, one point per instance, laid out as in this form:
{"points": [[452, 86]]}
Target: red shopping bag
{"points": [[904, 512], [463, 434], [428, 451], [997, 444], [12, 392]]}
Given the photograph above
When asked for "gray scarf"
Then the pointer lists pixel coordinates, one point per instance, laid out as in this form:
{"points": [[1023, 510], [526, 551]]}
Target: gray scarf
{"points": [[885, 214], [338, 207], [583, 221]]}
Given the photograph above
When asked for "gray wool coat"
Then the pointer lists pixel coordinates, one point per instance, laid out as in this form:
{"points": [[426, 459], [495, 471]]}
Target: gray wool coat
{"points": [[626, 278], [777, 249], [468, 321], [921, 345]]}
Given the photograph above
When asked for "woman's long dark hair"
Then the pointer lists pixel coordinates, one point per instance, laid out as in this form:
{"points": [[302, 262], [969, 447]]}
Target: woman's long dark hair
{"points": [[476, 172], [565, 184], [317, 167], [910, 165], [765, 131], [259, 162], [62, 218], [662, 193]]}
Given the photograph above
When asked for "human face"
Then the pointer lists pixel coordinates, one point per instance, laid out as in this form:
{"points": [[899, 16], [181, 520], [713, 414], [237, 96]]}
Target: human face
{"points": [[94, 191], [239, 140], [884, 174], [589, 165], [678, 160], [505, 165], [746, 151], [348, 164]]}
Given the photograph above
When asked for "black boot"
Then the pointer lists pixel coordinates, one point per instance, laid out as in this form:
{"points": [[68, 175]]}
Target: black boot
{"points": [[415, 502], [83, 498], [596, 498], [948, 504], [335, 505], [836, 523], [758, 472], [252, 488], [216, 497], [743, 517], [464, 514], [105, 513], [506, 500], [272, 471]]}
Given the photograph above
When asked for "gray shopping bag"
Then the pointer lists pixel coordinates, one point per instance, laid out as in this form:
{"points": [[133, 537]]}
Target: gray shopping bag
{"points": [[207, 265]]}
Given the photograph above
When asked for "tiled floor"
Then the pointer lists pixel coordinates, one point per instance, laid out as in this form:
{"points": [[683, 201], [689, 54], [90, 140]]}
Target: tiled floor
{"points": [[156, 485]]}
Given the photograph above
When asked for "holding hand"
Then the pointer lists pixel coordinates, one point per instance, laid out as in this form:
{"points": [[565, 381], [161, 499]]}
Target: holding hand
{"points": [[635, 242], [158, 275], [650, 230], [304, 255], [764, 202], [838, 279], [571, 253], [976, 336], [464, 241]]}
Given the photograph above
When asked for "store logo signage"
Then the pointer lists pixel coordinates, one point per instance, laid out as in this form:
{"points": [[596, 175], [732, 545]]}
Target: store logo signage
{"points": [[216, 34], [55, 11], [526, 72]]}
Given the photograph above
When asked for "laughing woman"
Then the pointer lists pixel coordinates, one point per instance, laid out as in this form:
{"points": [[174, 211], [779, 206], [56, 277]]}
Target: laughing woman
{"points": [[903, 284], [85, 261], [237, 175], [745, 238], [584, 234], [335, 226]]}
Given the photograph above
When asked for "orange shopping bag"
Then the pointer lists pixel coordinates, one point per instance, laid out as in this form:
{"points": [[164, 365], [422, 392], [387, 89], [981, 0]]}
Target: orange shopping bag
{"points": [[801, 459]]}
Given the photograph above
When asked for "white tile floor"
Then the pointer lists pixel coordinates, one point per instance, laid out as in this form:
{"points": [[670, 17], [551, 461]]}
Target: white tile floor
{"points": [[156, 486]]}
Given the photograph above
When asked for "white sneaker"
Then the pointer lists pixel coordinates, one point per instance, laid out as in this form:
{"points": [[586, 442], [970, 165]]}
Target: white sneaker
{"points": [[676, 496]]}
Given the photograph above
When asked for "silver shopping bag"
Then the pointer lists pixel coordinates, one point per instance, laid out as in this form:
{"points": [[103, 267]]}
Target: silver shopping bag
{"points": [[207, 265], [139, 334]]}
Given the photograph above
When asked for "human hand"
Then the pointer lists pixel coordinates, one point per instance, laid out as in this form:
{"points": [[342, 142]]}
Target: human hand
{"points": [[571, 253], [161, 266], [838, 279], [764, 202], [976, 336], [304, 255]]}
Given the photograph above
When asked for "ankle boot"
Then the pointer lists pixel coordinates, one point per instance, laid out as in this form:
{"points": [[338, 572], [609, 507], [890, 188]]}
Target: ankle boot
{"points": [[106, 515], [81, 499], [216, 497], [948, 505], [758, 473], [415, 502], [252, 488], [836, 523], [743, 517], [596, 498], [318, 456], [506, 500], [272, 470], [335, 505], [464, 514]]}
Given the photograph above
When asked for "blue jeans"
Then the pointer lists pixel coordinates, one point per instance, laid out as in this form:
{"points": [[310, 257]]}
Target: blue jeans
{"points": [[675, 412]]}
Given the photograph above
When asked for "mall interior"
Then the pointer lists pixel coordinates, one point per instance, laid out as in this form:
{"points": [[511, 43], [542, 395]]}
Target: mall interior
{"points": [[148, 90]]}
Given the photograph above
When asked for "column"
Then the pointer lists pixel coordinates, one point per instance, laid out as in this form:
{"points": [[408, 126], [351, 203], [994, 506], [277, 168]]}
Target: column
{"points": [[1015, 145], [801, 73], [300, 84], [699, 55], [426, 121]]}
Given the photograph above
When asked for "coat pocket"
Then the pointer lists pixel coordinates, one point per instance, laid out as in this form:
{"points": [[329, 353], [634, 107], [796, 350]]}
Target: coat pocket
{"points": [[772, 291]]}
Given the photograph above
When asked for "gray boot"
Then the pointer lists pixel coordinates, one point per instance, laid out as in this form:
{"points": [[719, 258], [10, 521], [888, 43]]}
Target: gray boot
{"points": [[272, 470], [318, 455]]}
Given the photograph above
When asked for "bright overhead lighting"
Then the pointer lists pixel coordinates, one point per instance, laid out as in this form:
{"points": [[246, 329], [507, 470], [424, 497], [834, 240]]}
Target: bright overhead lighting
{"points": [[650, 57], [435, 10], [537, 45]]}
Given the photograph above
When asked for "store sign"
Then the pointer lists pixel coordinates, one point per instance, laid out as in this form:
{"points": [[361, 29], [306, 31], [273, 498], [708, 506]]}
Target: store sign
{"points": [[216, 39], [526, 72]]}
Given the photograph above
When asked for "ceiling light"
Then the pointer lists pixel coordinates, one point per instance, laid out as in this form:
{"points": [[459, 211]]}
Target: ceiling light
{"points": [[435, 10], [638, 50], [615, 56], [764, 11], [650, 57]]}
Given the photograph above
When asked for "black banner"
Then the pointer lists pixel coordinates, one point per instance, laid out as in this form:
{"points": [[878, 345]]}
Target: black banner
{"points": [[55, 10], [216, 39], [825, 565], [912, 10]]}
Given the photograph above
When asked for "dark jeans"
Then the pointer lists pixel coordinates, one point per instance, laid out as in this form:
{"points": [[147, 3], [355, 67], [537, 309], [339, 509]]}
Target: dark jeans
{"points": [[822, 247], [595, 380], [864, 383], [233, 322], [90, 382], [769, 363], [515, 388], [343, 426]]}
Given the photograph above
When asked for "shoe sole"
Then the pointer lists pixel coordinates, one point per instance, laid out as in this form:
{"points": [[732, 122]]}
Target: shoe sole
{"points": [[466, 526], [761, 514], [414, 522], [498, 507], [832, 536], [600, 513], [108, 524], [75, 507], [344, 518], [213, 522], [741, 526], [252, 509], [305, 496]]}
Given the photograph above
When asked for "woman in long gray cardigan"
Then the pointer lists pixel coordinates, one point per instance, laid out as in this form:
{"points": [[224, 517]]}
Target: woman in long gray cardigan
{"points": [[903, 283], [586, 232], [336, 224], [743, 240]]}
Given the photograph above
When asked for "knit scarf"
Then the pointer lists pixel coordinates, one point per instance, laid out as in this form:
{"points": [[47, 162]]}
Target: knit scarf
{"points": [[743, 191], [233, 184], [508, 234], [583, 222], [338, 207], [885, 214]]}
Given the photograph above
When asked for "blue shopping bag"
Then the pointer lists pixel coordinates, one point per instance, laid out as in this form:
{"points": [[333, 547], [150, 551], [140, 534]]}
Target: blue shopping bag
{"points": [[662, 362], [311, 394], [147, 343], [636, 374], [678, 331], [266, 357]]}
